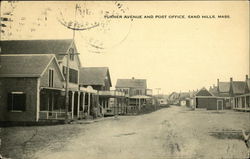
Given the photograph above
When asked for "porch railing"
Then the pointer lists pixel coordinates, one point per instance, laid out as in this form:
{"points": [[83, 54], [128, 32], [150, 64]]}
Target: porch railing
{"points": [[53, 115]]}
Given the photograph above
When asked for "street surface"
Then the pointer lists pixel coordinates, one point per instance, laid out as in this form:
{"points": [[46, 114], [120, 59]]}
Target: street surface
{"points": [[174, 132]]}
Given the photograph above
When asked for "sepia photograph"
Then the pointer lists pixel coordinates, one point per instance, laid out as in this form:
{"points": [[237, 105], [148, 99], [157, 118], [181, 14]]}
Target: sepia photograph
{"points": [[124, 79]]}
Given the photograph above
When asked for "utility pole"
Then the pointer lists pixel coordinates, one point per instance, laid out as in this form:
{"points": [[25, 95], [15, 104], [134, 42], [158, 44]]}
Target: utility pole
{"points": [[158, 94], [74, 28]]}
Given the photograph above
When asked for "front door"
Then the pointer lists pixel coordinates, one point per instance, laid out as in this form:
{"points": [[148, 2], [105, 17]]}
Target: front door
{"points": [[219, 104]]}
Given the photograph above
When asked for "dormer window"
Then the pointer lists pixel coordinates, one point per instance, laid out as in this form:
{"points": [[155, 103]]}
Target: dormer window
{"points": [[71, 54]]}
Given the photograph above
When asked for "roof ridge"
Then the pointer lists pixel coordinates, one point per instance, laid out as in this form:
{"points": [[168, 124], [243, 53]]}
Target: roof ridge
{"points": [[27, 55], [36, 39]]}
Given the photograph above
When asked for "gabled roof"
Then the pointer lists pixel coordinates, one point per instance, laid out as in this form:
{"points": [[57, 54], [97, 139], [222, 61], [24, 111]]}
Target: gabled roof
{"points": [[203, 92], [214, 90], [131, 83], [47, 46], [239, 87], [184, 95], [94, 76], [173, 96], [25, 65], [224, 86], [248, 83], [35, 46]]}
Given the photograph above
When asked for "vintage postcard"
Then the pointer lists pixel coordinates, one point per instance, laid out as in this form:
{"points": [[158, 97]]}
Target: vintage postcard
{"points": [[124, 79]]}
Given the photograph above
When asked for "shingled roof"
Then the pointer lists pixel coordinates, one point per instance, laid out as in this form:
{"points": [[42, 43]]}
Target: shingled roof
{"points": [[224, 87], [94, 76], [24, 65], [203, 92], [214, 90], [56, 46], [131, 83], [239, 87]]}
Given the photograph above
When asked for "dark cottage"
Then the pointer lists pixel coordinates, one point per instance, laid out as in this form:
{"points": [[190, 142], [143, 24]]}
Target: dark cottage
{"points": [[205, 99], [29, 85]]}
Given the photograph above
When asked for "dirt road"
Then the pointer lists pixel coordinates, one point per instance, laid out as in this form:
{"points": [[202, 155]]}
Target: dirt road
{"points": [[174, 132], [168, 133]]}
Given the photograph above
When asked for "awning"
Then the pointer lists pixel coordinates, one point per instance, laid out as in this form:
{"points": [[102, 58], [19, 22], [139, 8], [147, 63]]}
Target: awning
{"points": [[140, 97], [53, 88], [111, 93], [89, 89]]}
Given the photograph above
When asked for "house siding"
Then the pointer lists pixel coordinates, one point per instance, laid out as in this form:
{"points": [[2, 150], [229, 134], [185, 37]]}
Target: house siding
{"points": [[57, 80], [26, 85], [73, 65], [209, 103]]}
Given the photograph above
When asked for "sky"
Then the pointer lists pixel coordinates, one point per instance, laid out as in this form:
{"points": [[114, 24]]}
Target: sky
{"points": [[173, 54]]}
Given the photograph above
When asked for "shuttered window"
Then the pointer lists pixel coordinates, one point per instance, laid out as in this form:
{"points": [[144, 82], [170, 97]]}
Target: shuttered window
{"points": [[16, 101]]}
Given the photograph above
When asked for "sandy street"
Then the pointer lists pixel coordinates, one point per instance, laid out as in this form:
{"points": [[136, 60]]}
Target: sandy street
{"points": [[174, 132]]}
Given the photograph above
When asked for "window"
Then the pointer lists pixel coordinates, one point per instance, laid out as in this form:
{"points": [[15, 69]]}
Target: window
{"points": [[138, 92], [73, 76], [51, 78], [16, 101], [71, 54]]}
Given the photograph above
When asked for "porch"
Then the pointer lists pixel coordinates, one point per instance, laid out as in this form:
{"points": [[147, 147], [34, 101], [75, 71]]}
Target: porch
{"points": [[113, 102], [52, 103], [242, 102]]}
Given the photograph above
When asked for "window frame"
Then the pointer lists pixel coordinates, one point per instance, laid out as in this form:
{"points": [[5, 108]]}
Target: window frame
{"points": [[51, 78], [11, 108], [71, 54]]}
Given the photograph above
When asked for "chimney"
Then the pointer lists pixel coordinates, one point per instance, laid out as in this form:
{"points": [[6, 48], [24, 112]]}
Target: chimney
{"points": [[246, 77], [133, 78], [231, 79], [218, 82]]}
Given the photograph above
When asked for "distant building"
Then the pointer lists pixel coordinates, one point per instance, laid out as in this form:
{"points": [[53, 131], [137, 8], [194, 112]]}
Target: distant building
{"points": [[111, 102], [229, 90], [206, 100], [241, 94], [135, 90]]}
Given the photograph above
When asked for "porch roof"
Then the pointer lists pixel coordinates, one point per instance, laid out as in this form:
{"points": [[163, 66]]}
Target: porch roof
{"points": [[53, 88], [140, 97]]}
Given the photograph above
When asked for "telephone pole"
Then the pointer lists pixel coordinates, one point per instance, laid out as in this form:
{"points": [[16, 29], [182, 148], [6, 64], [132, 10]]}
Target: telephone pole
{"points": [[74, 28]]}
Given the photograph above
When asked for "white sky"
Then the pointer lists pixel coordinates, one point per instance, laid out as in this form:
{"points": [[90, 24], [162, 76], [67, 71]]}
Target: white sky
{"points": [[172, 54]]}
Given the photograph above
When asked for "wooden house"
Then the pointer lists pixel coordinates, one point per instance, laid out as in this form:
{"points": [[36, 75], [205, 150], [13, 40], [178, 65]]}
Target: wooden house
{"points": [[30, 87], [240, 91], [99, 79], [135, 91], [65, 51], [206, 100]]}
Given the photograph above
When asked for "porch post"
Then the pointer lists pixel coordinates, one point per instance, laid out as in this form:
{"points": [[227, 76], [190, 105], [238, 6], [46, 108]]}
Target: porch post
{"points": [[72, 104], [37, 99], [245, 103], [78, 104], [83, 102], [88, 103]]}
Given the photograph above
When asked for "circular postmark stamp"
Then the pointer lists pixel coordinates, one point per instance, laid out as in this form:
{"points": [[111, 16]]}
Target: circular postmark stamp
{"points": [[95, 21]]}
